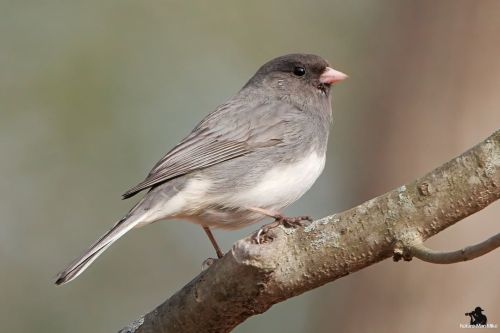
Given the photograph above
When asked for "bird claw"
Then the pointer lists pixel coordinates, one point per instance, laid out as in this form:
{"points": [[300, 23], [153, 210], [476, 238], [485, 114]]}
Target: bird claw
{"points": [[207, 263], [263, 235], [257, 237], [293, 222]]}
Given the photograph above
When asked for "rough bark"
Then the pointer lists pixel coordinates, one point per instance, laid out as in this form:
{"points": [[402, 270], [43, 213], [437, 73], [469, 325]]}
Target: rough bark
{"points": [[252, 277]]}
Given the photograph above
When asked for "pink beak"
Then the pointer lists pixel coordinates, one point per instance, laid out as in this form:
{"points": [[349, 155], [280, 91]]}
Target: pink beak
{"points": [[331, 76]]}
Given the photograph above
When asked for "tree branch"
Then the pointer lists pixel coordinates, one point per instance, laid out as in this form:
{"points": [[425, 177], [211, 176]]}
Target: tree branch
{"points": [[252, 277]]}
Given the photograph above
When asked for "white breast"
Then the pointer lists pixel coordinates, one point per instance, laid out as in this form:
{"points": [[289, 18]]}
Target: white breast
{"points": [[282, 185], [276, 189]]}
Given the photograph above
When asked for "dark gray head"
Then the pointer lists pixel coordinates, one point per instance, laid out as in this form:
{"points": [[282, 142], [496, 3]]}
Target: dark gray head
{"points": [[296, 77]]}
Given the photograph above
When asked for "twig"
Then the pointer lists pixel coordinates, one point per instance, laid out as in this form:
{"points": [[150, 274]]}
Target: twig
{"points": [[422, 252]]}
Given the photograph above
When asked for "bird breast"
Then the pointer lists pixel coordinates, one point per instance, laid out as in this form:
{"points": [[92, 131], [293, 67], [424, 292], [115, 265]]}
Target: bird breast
{"points": [[281, 185], [277, 188]]}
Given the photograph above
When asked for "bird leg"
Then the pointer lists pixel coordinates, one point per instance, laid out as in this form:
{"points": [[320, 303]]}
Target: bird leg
{"points": [[213, 241], [279, 219]]}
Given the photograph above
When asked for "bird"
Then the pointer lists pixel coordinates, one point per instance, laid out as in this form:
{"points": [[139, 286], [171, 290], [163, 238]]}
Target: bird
{"points": [[251, 157]]}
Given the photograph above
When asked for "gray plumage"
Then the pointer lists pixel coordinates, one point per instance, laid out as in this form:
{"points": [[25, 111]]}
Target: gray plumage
{"points": [[273, 132]]}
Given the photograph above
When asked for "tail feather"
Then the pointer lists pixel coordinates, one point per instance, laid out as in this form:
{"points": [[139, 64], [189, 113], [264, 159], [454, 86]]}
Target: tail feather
{"points": [[81, 263]]}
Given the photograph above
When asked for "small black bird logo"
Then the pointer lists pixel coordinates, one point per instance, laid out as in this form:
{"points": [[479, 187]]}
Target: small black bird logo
{"points": [[477, 317]]}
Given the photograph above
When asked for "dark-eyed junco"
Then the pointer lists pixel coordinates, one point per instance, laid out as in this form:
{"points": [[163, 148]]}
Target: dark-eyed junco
{"points": [[254, 155]]}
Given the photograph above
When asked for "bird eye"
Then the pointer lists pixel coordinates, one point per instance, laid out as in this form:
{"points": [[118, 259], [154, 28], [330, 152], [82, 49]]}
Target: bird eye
{"points": [[299, 71]]}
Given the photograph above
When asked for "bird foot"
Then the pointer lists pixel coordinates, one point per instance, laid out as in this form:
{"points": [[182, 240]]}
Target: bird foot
{"points": [[293, 222], [207, 263], [263, 235]]}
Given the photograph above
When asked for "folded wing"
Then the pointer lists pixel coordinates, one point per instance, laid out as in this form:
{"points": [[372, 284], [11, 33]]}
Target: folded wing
{"points": [[233, 130]]}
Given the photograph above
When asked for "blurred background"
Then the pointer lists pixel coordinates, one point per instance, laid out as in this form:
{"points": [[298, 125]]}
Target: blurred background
{"points": [[93, 93]]}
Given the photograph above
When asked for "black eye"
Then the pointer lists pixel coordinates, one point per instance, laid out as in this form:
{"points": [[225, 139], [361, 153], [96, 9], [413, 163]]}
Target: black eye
{"points": [[299, 71]]}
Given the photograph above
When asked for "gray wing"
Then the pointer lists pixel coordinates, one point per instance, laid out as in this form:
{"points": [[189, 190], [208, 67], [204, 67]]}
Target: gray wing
{"points": [[234, 129]]}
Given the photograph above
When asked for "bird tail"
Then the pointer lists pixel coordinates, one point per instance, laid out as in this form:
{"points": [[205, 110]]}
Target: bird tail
{"points": [[81, 263]]}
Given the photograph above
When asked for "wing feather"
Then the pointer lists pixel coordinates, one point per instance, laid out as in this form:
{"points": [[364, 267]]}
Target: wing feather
{"points": [[219, 138]]}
